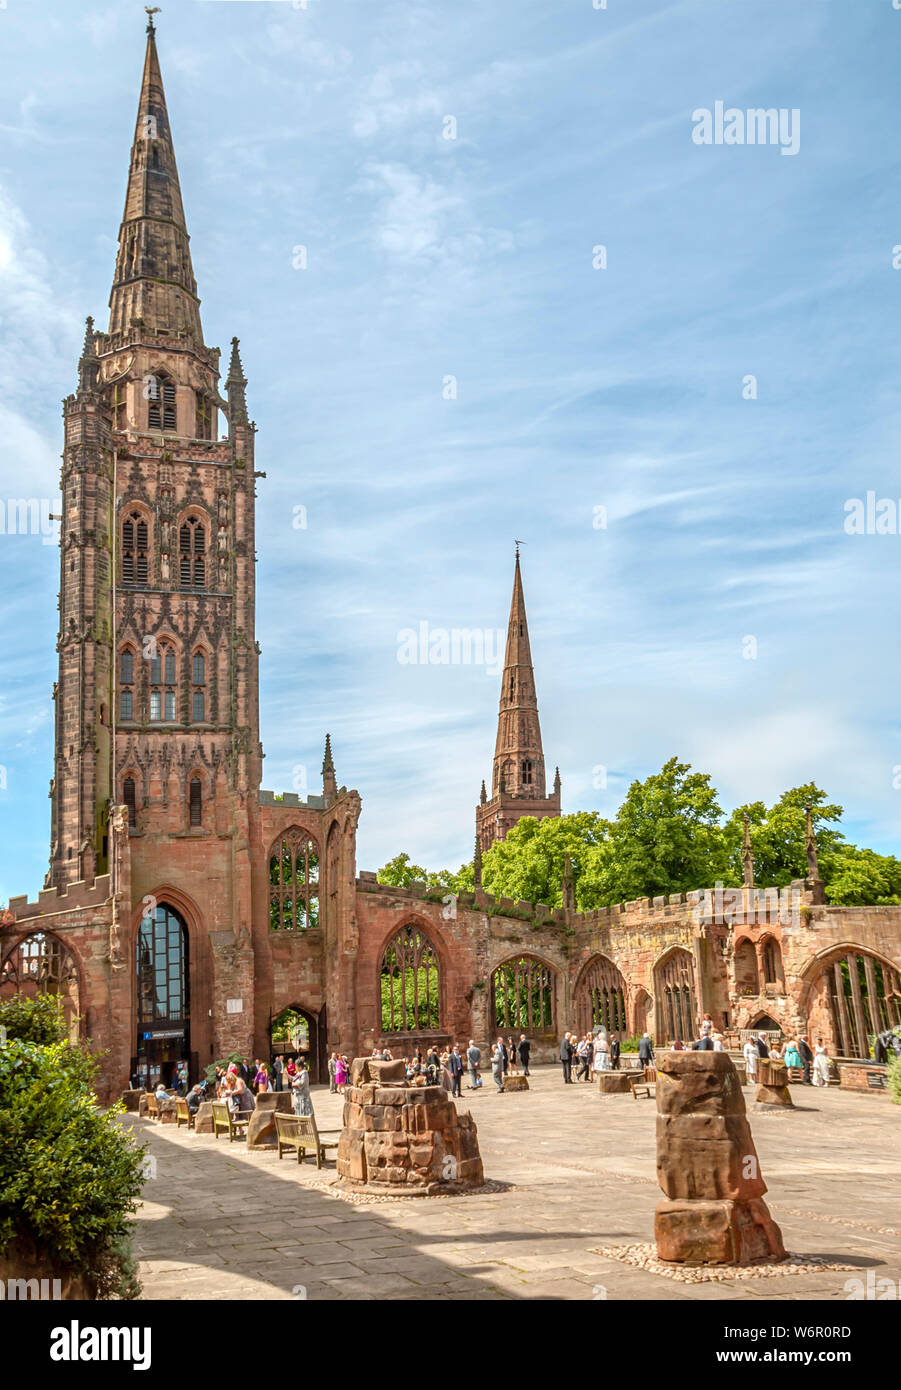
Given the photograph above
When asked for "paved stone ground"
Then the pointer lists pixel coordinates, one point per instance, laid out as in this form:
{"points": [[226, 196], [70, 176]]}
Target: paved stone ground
{"points": [[221, 1223]]}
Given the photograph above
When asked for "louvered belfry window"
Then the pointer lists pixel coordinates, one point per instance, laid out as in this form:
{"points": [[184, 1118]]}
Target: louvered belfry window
{"points": [[161, 411], [192, 553], [196, 802], [135, 547]]}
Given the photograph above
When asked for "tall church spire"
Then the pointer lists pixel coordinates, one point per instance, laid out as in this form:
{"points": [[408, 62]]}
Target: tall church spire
{"points": [[518, 784], [154, 290]]}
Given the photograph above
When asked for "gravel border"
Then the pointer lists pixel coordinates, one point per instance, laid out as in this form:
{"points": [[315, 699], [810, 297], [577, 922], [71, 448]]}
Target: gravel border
{"points": [[645, 1257]]}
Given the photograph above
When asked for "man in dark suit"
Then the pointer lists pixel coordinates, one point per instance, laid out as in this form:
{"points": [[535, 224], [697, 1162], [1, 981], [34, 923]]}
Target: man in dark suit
{"points": [[614, 1054], [455, 1067], [525, 1050], [704, 1044], [566, 1057], [806, 1058], [646, 1051], [762, 1048]]}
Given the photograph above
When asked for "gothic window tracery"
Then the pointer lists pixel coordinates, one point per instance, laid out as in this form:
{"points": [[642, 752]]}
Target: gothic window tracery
{"points": [[294, 882], [410, 983], [523, 995], [135, 549], [163, 673], [42, 965]]}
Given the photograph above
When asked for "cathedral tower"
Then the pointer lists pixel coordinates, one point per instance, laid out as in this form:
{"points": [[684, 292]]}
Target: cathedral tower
{"points": [[518, 786], [157, 699]]}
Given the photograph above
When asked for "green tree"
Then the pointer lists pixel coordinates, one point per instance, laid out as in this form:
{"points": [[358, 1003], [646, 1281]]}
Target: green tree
{"points": [[529, 863]]}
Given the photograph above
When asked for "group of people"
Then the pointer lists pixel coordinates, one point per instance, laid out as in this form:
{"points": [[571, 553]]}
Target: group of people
{"points": [[338, 1072], [593, 1052], [797, 1055], [504, 1056]]}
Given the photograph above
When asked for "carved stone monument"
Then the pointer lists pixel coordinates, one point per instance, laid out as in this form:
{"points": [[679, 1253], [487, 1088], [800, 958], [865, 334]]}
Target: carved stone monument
{"points": [[772, 1085], [707, 1166], [401, 1136]]}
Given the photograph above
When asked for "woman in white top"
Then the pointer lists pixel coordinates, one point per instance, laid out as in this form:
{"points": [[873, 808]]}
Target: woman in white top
{"points": [[820, 1064], [718, 1044], [751, 1057]]}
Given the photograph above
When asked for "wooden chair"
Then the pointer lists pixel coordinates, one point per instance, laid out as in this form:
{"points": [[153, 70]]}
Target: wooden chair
{"points": [[183, 1115], [153, 1108], [299, 1132], [224, 1122]]}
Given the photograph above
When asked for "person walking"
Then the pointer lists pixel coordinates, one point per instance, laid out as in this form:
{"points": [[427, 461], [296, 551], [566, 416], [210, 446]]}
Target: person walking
{"points": [[806, 1059], [474, 1061], [583, 1051], [278, 1067], [752, 1056], [332, 1073], [301, 1099], [820, 1064], [455, 1067], [497, 1065], [614, 1054], [646, 1050], [525, 1049], [340, 1073], [566, 1057]]}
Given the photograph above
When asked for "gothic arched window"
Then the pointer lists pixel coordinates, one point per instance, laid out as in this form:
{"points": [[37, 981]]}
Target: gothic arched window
{"points": [[409, 981], [42, 965], [523, 994], [162, 685], [527, 772], [192, 553], [135, 549], [126, 683], [204, 417], [128, 797], [161, 412], [294, 882]]}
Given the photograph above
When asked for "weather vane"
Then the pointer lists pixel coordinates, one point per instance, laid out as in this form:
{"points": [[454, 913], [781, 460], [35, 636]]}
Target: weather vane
{"points": [[151, 11], [517, 544]]}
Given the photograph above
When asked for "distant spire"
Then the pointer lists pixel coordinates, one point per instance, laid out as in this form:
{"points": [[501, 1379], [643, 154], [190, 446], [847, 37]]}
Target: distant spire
{"points": [[483, 795], [518, 745], [810, 844], [153, 285], [477, 864], [235, 384], [567, 887], [329, 782], [747, 854], [557, 782]]}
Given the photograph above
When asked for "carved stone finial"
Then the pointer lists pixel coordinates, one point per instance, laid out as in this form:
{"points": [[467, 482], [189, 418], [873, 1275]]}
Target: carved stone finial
{"points": [[747, 855], [477, 862], [567, 887], [810, 845]]}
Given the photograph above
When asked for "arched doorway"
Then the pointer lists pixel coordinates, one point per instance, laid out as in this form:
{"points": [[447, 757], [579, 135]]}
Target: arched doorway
{"points": [[600, 998], [42, 965], [640, 1011], [296, 1032], [163, 1046], [675, 989]]}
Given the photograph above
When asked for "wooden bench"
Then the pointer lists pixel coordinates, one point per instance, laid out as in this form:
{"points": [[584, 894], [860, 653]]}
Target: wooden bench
{"points": [[183, 1115], [647, 1083], [153, 1109], [224, 1122], [299, 1132]]}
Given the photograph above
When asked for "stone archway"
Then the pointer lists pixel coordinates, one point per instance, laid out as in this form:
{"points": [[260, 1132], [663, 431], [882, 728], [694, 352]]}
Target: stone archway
{"points": [[674, 988], [641, 1011], [850, 995], [41, 965], [296, 1032], [599, 998]]}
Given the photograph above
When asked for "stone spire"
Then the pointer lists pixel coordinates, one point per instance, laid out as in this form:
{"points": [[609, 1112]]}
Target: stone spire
{"points": [[810, 844], [235, 386], [518, 786], [483, 795], [477, 864], [329, 781], [154, 289], [747, 855], [89, 362], [518, 755]]}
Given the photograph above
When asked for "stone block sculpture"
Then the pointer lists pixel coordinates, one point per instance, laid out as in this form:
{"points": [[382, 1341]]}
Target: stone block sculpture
{"points": [[707, 1166], [398, 1136]]}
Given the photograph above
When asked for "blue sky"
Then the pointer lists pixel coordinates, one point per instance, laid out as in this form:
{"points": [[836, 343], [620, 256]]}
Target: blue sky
{"points": [[577, 388]]}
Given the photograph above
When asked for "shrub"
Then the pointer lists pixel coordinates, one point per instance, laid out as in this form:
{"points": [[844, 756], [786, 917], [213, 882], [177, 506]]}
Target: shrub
{"points": [[69, 1175], [631, 1044], [894, 1076]]}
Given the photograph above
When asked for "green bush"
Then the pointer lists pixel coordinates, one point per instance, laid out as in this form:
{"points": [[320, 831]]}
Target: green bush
{"points": [[69, 1175], [894, 1077], [225, 1062], [631, 1044]]}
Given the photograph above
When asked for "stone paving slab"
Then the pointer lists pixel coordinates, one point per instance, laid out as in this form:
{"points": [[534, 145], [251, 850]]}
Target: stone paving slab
{"points": [[220, 1223]]}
